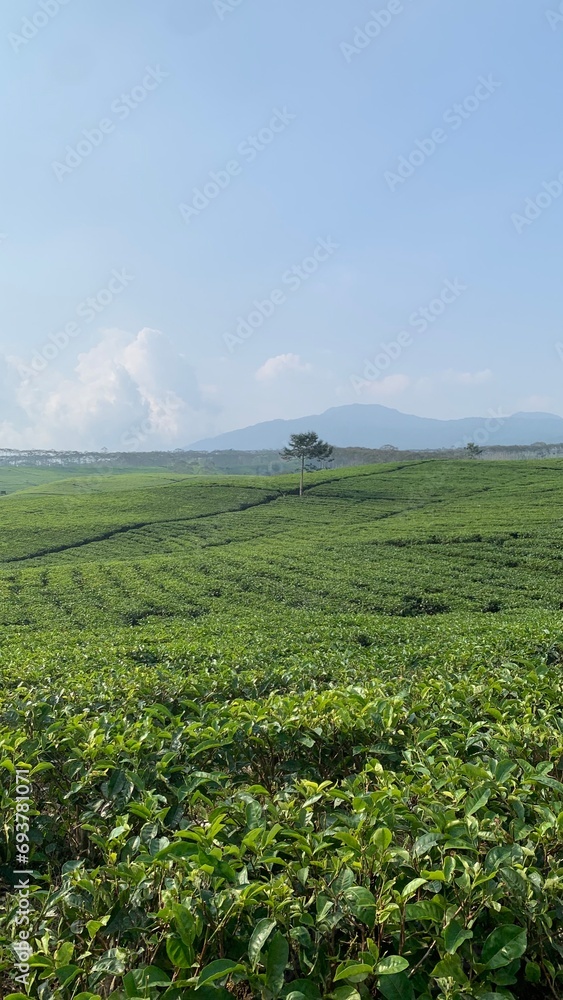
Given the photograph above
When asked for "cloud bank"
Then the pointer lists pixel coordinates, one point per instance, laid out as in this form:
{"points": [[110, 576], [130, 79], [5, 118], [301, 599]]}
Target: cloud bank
{"points": [[282, 364], [128, 392]]}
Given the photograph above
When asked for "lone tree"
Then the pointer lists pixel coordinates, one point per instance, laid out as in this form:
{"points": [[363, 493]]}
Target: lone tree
{"points": [[473, 451], [306, 447]]}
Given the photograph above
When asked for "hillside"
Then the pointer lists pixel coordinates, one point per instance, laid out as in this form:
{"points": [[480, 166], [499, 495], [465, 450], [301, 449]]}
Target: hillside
{"points": [[457, 536], [287, 747]]}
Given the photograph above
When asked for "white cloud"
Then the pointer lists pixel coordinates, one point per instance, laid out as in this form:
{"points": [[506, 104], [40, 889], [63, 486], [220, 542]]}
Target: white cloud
{"points": [[468, 378], [130, 392], [391, 385], [451, 377], [280, 365], [537, 403]]}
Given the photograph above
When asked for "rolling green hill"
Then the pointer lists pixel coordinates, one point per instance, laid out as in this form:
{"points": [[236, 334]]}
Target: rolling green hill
{"points": [[286, 747], [440, 536]]}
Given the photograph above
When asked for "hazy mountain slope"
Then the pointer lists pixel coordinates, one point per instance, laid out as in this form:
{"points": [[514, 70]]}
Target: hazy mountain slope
{"points": [[372, 425]]}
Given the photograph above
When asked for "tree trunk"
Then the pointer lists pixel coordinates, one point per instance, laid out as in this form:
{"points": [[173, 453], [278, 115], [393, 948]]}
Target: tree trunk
{"points": [[301, 476]]}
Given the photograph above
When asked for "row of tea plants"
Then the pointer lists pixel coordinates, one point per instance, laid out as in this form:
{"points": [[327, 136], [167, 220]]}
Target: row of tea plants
{"points": [[394, 832]]}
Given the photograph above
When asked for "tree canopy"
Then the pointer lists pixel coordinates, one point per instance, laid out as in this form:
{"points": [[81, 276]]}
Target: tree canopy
{"points": [[306, 447]]}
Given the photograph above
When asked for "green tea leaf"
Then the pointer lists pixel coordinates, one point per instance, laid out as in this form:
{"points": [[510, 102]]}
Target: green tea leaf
{"points": [[278, 954], [455, 935], [258, 938], [433, 876], [504, 945], [184, 923], [424, 844], [532, 972], [67, 973], [412, 887], [324, 906], [220, 969], [382, 838], [352, 970], [112, 961], [343, 880], [64, 954], [362, 904], [426, 909], [43, 766], [93, 926], [391, 965], [477, 800], [149, 977], [543, 779], [180, 954], [397, 987], [450, 967], [307, 987], [346, 993]]}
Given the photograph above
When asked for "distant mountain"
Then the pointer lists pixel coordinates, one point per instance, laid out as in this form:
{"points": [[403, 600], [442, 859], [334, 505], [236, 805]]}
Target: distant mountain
{"points": [[369, 425]]}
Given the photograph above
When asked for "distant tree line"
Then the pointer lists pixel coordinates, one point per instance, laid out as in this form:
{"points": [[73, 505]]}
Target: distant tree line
{"points": [[263, 462]]}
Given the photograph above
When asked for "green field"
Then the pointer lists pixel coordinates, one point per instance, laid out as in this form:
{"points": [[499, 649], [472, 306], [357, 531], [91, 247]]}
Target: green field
{"points": [[286, 747]]}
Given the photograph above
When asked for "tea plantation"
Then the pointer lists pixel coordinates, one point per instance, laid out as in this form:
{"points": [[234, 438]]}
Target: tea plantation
{"points": [[264, 746]]}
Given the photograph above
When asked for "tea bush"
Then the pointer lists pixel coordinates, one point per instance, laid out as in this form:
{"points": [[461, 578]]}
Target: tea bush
{"points": [[274, 746]]}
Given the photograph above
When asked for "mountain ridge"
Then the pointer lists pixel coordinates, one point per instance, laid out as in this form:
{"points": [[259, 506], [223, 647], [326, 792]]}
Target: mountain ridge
{"points": [[371, 425]]}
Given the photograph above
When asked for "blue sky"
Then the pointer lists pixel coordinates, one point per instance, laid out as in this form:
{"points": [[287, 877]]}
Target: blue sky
{"points": [[117, 114]]}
